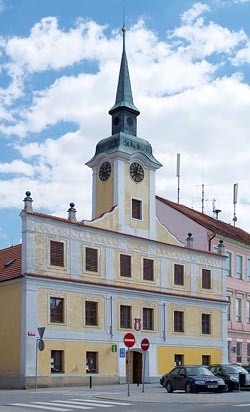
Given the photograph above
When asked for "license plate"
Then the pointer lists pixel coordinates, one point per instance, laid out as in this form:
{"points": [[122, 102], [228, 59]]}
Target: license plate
{"points": [[212, 386]]}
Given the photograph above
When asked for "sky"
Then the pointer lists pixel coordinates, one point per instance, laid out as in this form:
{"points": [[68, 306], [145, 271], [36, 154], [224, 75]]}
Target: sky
{"points": [[190, 75]]}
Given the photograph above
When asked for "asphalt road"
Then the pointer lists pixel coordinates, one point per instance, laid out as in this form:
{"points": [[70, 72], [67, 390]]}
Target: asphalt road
{"points": [[115, 398]]}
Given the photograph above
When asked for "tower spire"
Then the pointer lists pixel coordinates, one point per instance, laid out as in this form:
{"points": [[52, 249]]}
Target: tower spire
{"points": [[124, 112]]}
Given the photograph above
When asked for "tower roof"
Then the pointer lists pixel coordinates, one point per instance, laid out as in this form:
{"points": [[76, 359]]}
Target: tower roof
{"points": [[124, 97]]}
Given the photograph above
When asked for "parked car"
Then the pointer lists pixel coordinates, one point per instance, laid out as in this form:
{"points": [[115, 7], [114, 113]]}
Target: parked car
{"points": [[247, 367], [163, 380], [193, 379], [231, 374]]}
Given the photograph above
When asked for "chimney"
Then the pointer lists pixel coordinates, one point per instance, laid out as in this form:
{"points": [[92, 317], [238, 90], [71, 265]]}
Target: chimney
{"points": [[190, 240], [28, 202], [72, 212], [221, 248]]}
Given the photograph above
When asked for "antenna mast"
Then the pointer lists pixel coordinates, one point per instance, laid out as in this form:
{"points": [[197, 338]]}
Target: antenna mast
{"points": [[178, 174], [235, 199]]}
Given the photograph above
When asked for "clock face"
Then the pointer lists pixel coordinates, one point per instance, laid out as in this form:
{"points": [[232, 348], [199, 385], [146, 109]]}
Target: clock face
{"points": [[136, 172], [105, 171]]}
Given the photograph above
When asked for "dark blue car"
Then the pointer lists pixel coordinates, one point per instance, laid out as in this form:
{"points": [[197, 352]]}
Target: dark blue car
{"points": [[193, 379]]}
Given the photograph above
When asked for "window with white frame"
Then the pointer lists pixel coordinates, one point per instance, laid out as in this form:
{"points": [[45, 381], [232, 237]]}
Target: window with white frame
{"points": [[239, 352], [248, 352], [238, 309], [229, 308], [248, 311], [239, 267], [228, 263], [248, 270]]}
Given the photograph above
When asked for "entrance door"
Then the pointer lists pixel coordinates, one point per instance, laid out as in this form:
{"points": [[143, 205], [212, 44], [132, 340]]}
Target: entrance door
{"points": [[135, 367]]}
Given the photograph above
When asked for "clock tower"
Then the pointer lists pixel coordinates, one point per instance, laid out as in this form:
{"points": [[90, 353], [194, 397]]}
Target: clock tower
{"points": [[123, 185]]}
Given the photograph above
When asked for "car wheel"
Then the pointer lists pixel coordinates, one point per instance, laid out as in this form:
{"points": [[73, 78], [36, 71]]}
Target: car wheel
{"points": [[169, 387], [188, 388]]}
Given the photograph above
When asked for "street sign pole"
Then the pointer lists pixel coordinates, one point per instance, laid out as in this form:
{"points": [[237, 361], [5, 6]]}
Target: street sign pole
{"points": [[129, 341], [37, 340], [128, 371], [143, 369]]}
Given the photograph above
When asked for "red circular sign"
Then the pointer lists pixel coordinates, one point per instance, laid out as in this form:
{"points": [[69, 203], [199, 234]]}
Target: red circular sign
{"points": [[145, 344], [129, 340]]}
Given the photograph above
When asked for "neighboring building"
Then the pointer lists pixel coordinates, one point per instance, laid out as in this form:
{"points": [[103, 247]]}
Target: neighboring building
{"points": [[89, 283], [207, 232]]}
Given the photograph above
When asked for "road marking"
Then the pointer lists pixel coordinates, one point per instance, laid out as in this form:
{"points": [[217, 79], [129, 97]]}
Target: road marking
{"points": [[244, 404], [110, 402], [87, 402], [29, 405], [61, 403]]}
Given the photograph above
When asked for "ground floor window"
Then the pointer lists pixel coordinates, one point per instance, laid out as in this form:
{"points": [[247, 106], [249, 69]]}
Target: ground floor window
{"points": [[56, 361], [239, 352], [178, 360], [91, 362], [206, 360]]}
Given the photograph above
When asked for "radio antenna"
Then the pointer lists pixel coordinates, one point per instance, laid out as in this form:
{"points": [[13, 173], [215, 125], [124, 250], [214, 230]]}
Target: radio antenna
{"points": [[235, 199], [178, 174]]}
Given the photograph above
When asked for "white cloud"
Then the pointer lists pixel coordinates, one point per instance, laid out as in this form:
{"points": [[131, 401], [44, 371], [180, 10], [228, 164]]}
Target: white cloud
{"points": [[195, 11], [186, 108]]}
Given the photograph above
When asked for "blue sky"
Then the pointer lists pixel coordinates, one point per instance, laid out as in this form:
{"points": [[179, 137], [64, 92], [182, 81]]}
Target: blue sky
{"points": [[190, 74]]}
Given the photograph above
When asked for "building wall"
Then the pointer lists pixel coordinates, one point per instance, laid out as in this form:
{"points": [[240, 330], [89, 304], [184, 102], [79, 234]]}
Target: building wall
{"points": [[110, 290], [10, 330]]}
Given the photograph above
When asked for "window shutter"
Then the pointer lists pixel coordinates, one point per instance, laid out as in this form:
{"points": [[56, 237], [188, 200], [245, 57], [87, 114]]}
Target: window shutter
{"points": [[136, 209], [91, 259], [56, 253], [206, 279], [125, 265], [148, 269], [178, 274]]}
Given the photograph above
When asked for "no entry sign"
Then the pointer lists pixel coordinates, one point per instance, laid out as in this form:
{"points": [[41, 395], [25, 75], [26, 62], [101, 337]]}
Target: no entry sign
{"points": [[145, 344], [129, 340]]}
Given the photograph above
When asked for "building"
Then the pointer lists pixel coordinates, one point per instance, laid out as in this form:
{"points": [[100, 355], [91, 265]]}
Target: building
{"points": [[207, 233], [89, 283]]}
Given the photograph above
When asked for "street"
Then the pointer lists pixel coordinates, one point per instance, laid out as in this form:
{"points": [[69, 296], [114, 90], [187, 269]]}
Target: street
{"points": [[116, 397]]}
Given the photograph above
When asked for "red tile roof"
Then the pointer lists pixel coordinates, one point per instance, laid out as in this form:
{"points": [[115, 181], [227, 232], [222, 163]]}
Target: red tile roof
{"points": [[217, 226], [10, 263]]}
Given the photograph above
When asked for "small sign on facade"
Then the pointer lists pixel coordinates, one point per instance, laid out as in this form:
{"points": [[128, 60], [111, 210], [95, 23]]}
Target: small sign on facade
{"points": [[122, 352]]}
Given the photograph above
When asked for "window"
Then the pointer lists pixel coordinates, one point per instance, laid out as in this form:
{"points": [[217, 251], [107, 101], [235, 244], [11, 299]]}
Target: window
{"points": [[229, 308], [248, 311], [91, 362], [148, 269], [206, 324], [206, 279], [239, 352], [125, 317], [125, 266], [56, 361], [229, 351], [239, 267], [91, 313], [57, 310], [179, 274], [91, 259], [136, 209], [206, 359], [229, 264], [248, 270], [178, 360], [248, 352], [238, 309], [56, 253], [148, 319], [178, 321]]}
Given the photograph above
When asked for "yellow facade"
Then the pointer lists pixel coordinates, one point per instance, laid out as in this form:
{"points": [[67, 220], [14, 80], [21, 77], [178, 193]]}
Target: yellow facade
{"points": [[191, 355], [10, 330]]}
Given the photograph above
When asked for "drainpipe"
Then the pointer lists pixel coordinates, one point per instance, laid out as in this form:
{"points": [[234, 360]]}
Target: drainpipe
{"points": [[211, 236]]}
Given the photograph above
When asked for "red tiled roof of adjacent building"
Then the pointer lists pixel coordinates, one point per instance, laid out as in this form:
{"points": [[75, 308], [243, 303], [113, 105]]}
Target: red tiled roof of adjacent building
{"points": [[217, 226], [10, 263]]}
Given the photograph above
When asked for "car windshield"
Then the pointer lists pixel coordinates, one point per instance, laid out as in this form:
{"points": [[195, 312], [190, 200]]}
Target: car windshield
{"points": [[234, 369], [198, 371]]}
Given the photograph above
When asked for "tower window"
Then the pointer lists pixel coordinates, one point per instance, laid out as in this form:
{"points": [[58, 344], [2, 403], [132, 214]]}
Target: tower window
{"points": [[136, 209]]}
